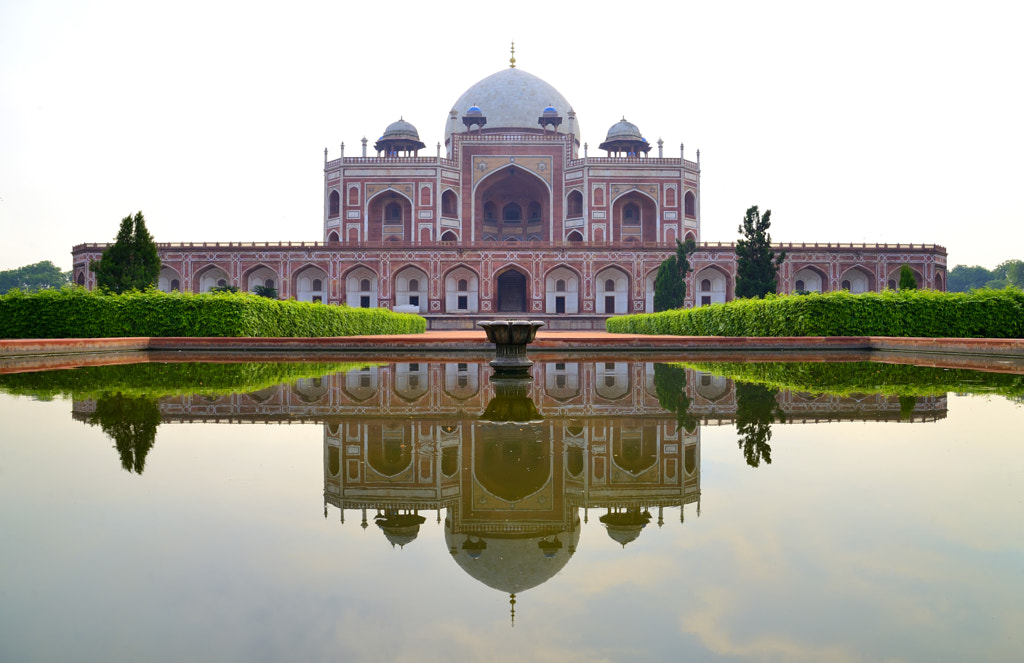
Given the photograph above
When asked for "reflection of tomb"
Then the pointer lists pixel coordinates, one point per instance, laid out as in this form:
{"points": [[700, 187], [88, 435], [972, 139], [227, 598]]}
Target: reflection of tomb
{"points": [[512, 492]]}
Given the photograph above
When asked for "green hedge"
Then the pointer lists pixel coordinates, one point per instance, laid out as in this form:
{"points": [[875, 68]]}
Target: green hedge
{"points": [[79, 313], [913, 313]]}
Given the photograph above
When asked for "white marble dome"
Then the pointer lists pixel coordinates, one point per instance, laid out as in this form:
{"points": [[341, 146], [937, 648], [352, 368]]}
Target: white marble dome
{"points": [[512, 99]]}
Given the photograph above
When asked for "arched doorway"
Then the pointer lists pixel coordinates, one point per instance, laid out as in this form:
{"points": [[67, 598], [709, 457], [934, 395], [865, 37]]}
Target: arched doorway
{"points": [[512, 292]]}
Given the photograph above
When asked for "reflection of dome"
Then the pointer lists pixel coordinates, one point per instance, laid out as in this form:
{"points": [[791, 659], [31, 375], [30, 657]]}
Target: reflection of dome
{"points": [[400, 528], [512, 565], [512, 99], [625, 526]]}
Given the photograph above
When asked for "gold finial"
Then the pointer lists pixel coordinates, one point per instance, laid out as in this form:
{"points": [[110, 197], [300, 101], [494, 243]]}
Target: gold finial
{"points": [[512, 60]]}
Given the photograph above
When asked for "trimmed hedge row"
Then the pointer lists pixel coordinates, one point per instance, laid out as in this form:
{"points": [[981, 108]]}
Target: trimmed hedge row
{"points": [[913, 313], [79, 313], [867, 377], [159, 380]]}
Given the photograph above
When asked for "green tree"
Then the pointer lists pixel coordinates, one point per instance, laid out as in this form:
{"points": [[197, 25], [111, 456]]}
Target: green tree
{"points": [[670, 283], [224, 289], [756, 262], [38, 276], [1010, 271], [907, 280], [131, 262], [964, 279], [268, 291]]}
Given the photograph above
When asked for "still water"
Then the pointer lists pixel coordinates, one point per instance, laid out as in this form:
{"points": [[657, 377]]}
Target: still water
{"points": [[601, 511]]}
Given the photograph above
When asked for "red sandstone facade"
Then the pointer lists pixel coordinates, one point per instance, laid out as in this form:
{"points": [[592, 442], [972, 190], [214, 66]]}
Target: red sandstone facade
{"points": [[512, 220]]}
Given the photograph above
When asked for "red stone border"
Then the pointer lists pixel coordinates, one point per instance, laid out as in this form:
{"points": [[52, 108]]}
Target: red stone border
{"points": [[979, 353]]}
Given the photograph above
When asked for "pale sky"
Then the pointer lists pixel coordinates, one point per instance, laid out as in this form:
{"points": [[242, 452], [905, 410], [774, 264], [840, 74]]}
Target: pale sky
{"points": [[852, 122]]}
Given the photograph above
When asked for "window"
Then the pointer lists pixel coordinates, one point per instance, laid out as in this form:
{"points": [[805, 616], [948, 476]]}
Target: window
{"points": [[448, 204], [575, 237], [670, 197], [575, 204], [799, 285], [846, 285], [463, 303], [490, 211], [609, 285], [353, 196], [448, 236], [690, 204], [175, 283], [334, 204], [317, 299], [609, 304], [318, 284], [560, 304], [414, 284], [221, 283], [892, 284], [463, 285], [631, 214], [414, 300], [393, 212], [534, 211], [333, 237], [560, 285], [512, 212], [364, 301], [705, 285], [425, 197], [364, 284]]}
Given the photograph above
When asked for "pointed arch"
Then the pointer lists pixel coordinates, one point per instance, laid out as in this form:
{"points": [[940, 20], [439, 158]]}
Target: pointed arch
{"points": [[810, 278], [168, 281], [210, 276], [261, 275], [411, 288], [611, 288], [361, 287], [461, 290], [712, 285], [512, 291], [857, 279], [309, 283], [562, 291]]}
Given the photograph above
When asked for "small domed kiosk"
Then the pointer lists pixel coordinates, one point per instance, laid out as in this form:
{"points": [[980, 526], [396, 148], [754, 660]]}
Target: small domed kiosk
{"points": [[625, 139], [399, 139]]}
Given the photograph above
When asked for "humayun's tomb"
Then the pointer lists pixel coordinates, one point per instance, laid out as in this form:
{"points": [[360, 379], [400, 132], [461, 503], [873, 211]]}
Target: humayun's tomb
{"points": [[513, 219]]}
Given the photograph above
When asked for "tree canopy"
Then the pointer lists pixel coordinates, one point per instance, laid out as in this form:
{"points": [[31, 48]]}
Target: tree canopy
{"points": [[756, 262], [963, 278], [670, 283], [38, 276], [131, 262]]}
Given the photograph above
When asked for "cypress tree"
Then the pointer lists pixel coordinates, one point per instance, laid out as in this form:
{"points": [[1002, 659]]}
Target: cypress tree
{"points": [[131, 262], [670, 283], [756, 263], [907, 280]]}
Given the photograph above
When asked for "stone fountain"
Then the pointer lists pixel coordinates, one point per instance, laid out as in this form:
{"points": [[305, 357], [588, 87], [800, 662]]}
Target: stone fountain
{"points": [[510, 338]]}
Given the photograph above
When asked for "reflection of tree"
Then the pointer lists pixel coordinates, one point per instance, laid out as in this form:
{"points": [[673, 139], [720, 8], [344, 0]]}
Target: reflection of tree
{"points": [[670, 387], [131, 423], [756, 411], [907, 405]]}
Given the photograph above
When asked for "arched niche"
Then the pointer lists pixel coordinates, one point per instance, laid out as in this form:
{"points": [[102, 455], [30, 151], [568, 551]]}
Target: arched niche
{"points": [[210, 277], [390, 217], [310, 284], [168, 281], [562, 291], [512, 204], [712, 286], [461, 291], [857, 280], [635, 217], [411, 288], [261, 275], [361, 288], [611, 288], [512, 292], [810, 279]]}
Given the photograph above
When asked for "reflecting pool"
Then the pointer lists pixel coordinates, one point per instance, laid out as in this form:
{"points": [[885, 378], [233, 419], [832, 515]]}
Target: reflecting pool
{"points": [[596, 511]]}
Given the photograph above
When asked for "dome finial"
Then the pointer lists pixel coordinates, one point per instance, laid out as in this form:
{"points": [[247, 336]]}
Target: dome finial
{"points": [[512, 60]]}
